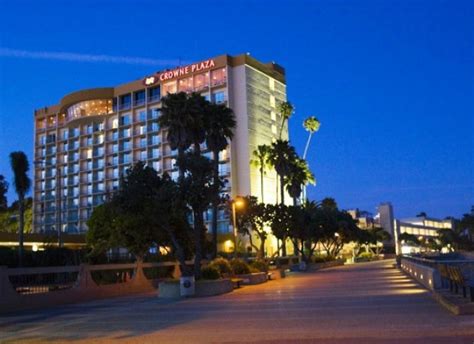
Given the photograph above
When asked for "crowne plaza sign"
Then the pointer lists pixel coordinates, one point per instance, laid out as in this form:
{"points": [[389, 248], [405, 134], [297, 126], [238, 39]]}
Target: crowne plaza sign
{"points": [[179, 72]]}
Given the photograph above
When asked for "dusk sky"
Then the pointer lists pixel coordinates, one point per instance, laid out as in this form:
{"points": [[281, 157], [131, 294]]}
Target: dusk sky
{"points": [[391, 81]]}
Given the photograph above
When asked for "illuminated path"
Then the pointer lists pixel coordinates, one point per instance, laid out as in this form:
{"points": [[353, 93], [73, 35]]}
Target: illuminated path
{"points": [[364, 303]]}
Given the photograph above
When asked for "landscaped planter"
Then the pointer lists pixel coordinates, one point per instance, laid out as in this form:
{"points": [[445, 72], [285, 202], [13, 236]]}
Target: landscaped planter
{"points": [[255, 278], [318, 266], [171, 289], [277, 274]]}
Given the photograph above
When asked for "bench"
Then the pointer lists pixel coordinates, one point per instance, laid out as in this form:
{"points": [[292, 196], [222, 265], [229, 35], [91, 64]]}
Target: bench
{"points": [[237, 282], [456, 279]]}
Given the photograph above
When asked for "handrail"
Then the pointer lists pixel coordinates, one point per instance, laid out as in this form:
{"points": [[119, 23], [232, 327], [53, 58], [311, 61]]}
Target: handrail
{"points": [[438, 261]]}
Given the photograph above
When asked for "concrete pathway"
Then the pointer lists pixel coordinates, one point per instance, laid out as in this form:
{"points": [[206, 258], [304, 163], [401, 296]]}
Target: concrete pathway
{"points": [[363, 303]]}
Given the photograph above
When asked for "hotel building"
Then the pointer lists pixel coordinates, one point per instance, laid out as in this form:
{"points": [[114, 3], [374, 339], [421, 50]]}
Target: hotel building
{"points": [[84, 143]]}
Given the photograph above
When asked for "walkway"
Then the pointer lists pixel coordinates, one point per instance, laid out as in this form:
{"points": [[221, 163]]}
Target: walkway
{"points": [[363, 303]]}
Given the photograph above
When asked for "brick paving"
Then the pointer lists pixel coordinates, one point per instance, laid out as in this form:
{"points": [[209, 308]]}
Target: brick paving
{"points": [[362, 303]]}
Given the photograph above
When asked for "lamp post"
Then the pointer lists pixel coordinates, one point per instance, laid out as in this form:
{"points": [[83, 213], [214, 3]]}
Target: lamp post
{"points": [[58, 197], [236, 203]]}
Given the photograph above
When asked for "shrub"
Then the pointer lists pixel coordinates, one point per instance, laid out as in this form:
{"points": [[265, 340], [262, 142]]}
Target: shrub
{"points": [[259, 265], [222, 265], [239, 267], [366, 255], [210, 273]]}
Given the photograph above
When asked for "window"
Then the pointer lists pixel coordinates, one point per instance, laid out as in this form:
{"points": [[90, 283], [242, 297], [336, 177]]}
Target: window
{"points": [[155, 153], [127, 158], [125, 101], [89, 177], [125, 119], [154, 126], [115, 173], [143, 142], [156, 165], [186, 85], [141, 129], [142, 116], [219, 97], [143, 155], [139, 98], [89, 153], [154, 113], [114, 123], [42, 139], [201, 81], [155, 139], [272, 101], [126, 132], [273, 115], [115, 148], [154, 94], [218, 77], [126, 145], [169, 87]]}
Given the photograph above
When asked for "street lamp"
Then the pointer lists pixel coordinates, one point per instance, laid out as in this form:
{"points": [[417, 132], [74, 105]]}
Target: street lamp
{"points": [[58, 196], [237, 202]]}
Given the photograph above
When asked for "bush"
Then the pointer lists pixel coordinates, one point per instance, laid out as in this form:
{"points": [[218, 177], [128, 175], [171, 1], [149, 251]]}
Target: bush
{"points": [[239, 267], [323, 259], [259, 265], [366, 255], [210, 273], [222, 265]]}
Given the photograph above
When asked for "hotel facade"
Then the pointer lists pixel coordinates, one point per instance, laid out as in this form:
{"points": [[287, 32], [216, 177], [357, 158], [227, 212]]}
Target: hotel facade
{"points": [[84, 143]]}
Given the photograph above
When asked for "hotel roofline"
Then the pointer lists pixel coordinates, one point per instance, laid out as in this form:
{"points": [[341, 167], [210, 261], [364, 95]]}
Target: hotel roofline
{"points": [[270, 68]]}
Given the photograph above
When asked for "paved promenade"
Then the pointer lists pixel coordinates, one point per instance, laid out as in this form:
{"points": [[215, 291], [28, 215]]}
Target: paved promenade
{"points": [[363, 303]]}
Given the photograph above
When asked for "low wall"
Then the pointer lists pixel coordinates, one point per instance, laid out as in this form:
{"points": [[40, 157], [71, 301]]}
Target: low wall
{"points": [[255, 278], [83, 289], [319, 266], [425, 275], [171, 289]]}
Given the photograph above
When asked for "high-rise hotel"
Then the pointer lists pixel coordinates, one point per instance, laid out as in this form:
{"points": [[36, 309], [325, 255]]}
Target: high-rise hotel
{"points": [[84, 143]]}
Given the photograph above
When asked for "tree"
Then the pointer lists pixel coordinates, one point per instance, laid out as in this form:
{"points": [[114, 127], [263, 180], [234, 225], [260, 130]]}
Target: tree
{"points": [[145, 211], [182, 118], [129, 219], [409, 239], [261, 160], [252, 220], [22, 184], [311, 124], [421, 214], [285, 109], [338, 227], [3, 193], [220, 126], [198, 192], [9, 218], [282, 156], [298, 177], [305, 228]]}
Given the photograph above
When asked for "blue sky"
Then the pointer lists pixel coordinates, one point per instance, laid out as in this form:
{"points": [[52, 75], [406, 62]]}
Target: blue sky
{"points": [[391, 81]]}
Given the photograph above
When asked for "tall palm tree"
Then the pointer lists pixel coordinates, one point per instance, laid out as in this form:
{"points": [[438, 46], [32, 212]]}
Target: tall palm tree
{"points": [[281, 156], [22, 183], [183, 117], [260, 159], [220, 127], [285, 109], [298, 177], [177, 118], [311, 124]]}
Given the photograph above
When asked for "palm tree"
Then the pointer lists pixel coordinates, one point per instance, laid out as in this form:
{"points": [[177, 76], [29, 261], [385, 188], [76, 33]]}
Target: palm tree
{"points": [[220, 130], [22, 184], [261, 161], [177, 118], [298, 177], [311, 124], [281, 156], [285, 109]]}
